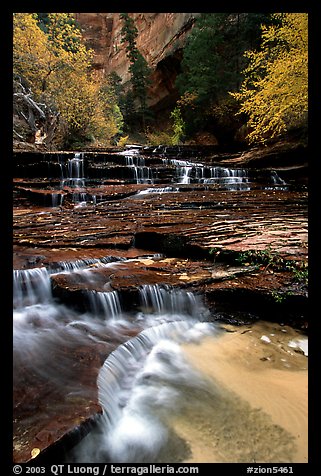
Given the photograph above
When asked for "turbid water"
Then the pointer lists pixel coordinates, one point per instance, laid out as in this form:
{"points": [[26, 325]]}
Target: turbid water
{"points": [[194, 393], [261, 413]]}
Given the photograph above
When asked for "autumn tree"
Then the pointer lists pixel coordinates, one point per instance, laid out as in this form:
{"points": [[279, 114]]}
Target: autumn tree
{"points": [[32, 64], [274, 93], [53, 66], [212, 66]]}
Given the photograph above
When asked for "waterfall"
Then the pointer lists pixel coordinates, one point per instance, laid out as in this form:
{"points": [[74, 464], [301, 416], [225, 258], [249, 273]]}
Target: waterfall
{"points": [[76, 166], [199, 173], [80, 264], [166, 300], [226, 175], [143, 174], [184, 174], [276, 179], [31, 286], [134, 161], [76, 174], [56, 199], [105, 303], [140, 385]]}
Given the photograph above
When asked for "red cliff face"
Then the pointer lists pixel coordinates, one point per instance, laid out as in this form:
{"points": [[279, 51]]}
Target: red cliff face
{"points": [[160, 39]]}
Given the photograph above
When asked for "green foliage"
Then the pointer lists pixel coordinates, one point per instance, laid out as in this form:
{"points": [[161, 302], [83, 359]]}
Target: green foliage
{"points": [[43, 21], [265, 257], [178, 126], [129, 34], [273, 260], [112, 114], [139, 72], [301, 276], [203, 59], [128, 108], [274, 93], [279, 297], [212, 66], [115, 81]]}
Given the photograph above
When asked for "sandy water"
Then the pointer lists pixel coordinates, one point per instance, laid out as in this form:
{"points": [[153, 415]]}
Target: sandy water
{"points": [[257, 409], [234, 395]]}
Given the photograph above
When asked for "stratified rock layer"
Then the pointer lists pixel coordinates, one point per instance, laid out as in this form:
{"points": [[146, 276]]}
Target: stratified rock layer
{"points": [[160, 40], [195, 236]]}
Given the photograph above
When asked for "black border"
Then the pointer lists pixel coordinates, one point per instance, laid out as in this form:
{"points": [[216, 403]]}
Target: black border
{"points": [[313, 10]]}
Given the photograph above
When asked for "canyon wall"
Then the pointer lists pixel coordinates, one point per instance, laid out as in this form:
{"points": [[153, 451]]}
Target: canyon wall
{"points": [[161, 37]]}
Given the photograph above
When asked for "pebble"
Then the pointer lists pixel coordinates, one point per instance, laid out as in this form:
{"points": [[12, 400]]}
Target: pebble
{"points": [[266, 339]]}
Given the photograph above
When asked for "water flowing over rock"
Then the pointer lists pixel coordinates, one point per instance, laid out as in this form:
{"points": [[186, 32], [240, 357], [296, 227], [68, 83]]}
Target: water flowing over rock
{"points": [[135, 400], [120, 258]]}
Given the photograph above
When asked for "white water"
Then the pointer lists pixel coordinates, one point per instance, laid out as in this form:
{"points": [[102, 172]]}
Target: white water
{"points": [[158, 190], [142, 384], [73, 176], [81, 264], [277, 179], [186, 172], [165, 300], [202, 174], [146, 384], [45, 328], [105, 303], [31, 286], [134, 161], [76, 167]]}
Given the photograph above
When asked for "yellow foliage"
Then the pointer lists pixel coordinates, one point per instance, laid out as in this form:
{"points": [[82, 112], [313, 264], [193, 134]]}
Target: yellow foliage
{"points": [[56, 66], [159, 137], [32, 59], [122, 141], [274, 94], [187, 99]]}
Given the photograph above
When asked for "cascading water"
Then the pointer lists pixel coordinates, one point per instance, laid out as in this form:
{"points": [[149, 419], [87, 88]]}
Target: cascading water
{"points": [[141, 173], [185, 172], [188, 172], [80, 264], [146, 380], [158, 190], [141, 385], [73, 177], [31, 286], [76, 173], [165, 300], [105, 303], [147, 386]]}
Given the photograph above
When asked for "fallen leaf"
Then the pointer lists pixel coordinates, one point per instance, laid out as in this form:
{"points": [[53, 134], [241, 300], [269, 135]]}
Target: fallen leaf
{"points": [[35, 452]]}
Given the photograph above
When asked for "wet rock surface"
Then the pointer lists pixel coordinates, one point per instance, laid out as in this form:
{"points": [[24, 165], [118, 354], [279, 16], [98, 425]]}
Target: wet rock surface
{"points": [[200, 236], [201, 218]]}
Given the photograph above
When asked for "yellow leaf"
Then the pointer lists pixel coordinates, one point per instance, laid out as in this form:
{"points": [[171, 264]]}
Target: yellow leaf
{"points": [[35, 452]]}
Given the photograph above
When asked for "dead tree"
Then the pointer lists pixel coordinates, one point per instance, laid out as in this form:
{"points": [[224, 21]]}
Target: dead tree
{"points": [[38, 121]]}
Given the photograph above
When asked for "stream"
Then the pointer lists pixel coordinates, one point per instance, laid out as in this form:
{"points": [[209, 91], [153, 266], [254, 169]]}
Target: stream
{"points": [[120, 354]]}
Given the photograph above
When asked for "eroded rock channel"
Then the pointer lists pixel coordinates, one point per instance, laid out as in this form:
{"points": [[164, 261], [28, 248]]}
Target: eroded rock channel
{"points": [[161, 243]]}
